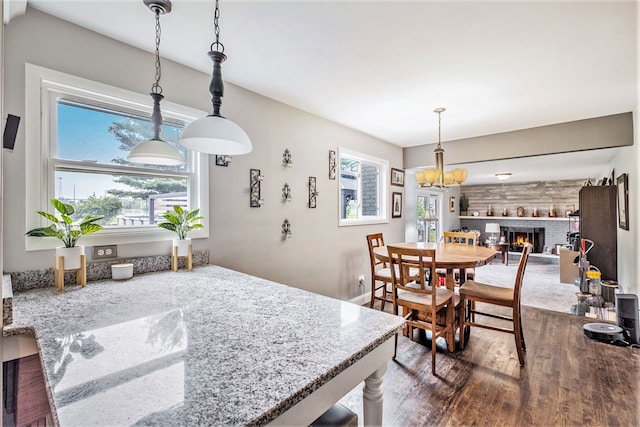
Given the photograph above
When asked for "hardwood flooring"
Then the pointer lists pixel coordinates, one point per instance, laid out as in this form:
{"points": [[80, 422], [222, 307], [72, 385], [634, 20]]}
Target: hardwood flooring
{"points": [[568, 379]]}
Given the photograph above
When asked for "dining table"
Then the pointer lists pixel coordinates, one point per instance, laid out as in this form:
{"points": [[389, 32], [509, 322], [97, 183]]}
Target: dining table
{"points": [[449, 256]]}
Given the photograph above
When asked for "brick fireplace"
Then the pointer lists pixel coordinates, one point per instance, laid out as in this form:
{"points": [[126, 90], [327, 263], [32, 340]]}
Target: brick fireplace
{"points": [[517, 236]]}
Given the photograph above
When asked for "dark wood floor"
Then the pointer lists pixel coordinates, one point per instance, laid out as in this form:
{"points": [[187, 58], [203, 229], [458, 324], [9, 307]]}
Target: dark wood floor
{"points": [[568, 379]]}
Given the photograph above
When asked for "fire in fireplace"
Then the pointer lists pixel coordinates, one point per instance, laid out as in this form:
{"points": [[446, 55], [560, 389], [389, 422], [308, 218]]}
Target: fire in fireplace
{"points": [[518, 236]]}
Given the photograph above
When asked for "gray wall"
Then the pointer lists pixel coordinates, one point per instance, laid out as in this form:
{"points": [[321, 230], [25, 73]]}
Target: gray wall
{"points": [[601, 132], [320, 257]]}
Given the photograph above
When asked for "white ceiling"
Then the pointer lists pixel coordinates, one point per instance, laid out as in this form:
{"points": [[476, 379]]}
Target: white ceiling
{"points": [[381, 67]]}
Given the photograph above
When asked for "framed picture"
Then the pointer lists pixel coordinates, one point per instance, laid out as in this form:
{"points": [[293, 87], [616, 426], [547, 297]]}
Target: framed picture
{"points": [[396, 205], [397, 177], [222, 160], [452, 203], [623, 201]]}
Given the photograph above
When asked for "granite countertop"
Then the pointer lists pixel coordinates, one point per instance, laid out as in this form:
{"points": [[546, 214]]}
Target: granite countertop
{"points": [[207, 347]]}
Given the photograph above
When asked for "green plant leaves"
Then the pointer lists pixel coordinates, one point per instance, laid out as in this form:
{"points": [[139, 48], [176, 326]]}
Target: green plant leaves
{"points": [[181, 222], [64, 228]]}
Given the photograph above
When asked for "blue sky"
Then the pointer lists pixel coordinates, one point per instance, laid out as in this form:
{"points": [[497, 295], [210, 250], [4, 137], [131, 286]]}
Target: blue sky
{"points": [[83, 135]]}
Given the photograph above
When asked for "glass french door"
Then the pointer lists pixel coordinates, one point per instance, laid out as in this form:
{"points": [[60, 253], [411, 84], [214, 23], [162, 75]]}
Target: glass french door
{"points": [[429, 213]]}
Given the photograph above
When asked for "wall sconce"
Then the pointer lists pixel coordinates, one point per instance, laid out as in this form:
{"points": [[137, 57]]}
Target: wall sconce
{"points": [[332, 164], [254, 185], [286, 158], [286, 193], [286, 229], [222, 160], [312, 192]]}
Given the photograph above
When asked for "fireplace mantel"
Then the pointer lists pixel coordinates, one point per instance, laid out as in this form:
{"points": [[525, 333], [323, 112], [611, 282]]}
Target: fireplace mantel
{"points": [[498, 218]]}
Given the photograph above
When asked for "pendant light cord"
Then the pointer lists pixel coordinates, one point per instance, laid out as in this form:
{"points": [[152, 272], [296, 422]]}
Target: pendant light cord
{"points": [[217, 45], [156, 88]]}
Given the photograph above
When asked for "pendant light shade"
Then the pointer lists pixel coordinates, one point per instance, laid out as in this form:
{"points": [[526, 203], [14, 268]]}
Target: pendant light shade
{"points": [[156, 151], [216, 135]]}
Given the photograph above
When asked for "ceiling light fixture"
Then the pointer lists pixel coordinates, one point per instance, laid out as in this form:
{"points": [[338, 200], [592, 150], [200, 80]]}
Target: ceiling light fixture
{"points": [[503, 176], [438, 177], [215, 134], [156, 151]]}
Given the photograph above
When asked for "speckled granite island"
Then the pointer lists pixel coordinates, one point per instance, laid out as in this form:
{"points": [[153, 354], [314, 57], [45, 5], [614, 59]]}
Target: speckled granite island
{"points": [[206, 347]]}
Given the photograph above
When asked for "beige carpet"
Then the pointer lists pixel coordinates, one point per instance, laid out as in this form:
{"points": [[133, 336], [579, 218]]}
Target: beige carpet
{"points": [[541, 288]]}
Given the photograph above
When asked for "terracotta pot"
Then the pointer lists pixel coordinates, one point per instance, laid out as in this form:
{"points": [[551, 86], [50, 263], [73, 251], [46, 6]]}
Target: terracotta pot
{"points": [[71, 256], [183, 246]]}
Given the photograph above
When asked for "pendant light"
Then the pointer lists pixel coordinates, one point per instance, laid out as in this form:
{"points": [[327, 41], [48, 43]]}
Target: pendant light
{"points": [[215, 134], [156, 151], [438, 177]]}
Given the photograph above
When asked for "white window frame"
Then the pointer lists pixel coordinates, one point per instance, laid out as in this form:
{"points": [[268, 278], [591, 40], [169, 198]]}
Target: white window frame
{"points": [[383, 209], [42, 87]]}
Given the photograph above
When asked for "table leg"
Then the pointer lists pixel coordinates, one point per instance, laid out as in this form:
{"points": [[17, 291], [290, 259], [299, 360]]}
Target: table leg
{"points": [[463, 275], [449, 280], [372, 397], [505, 256]]}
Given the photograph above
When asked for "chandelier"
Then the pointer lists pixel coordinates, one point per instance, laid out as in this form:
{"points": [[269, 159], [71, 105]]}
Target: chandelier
{"points": [[437, 177]]}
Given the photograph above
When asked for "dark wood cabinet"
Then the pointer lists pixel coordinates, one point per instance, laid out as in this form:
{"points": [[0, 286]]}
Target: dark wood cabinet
{"points": [[599, 223]]}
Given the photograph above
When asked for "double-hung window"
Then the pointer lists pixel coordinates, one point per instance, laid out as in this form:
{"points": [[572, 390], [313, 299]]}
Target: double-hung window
{"points": [[78, 136], [363, 189]]}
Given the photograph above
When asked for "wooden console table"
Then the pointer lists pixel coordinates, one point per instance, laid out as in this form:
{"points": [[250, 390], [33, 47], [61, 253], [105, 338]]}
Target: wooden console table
{"points": [[503, 248]]}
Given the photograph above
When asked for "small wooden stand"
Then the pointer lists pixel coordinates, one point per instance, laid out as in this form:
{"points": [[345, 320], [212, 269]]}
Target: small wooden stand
{"points": [[81, 273], [188, 259]]}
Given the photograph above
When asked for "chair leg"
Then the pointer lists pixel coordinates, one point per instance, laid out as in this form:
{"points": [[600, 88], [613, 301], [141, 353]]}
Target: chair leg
{"points": [[384, 296], [373, 293], [517, 332], [462, 317], [433, 348], [395, 347], [451, 325], [524, 345]]}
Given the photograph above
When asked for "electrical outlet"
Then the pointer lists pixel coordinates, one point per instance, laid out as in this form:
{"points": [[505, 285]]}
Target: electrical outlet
{"points": [[105, 251], [361, 280]]}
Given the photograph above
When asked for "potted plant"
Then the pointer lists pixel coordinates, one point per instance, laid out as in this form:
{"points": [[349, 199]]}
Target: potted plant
{"points": [[464, 204], [181, 222], [67, 230]]}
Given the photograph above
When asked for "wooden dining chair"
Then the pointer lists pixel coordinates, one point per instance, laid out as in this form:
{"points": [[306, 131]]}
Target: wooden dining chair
{"points": [[424, 306], [461, 237], [472, 291], [470, 238], [380, 273]]}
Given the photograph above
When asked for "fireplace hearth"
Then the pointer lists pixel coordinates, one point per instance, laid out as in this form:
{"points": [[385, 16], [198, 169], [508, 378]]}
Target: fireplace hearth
{"points": [[518, 236]]}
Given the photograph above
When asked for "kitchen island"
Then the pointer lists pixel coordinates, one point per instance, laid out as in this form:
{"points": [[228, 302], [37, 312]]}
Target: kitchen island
{"points": [[210, 346]]}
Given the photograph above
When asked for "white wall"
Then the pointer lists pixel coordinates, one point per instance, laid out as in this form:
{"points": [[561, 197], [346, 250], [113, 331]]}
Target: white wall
{"points": [[320, 256], [626, 161]]}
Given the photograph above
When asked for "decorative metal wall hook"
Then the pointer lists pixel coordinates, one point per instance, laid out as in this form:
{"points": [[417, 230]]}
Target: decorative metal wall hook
{"points": [[286, 229], [332, 164], [255, 178], [313, 194], [286, 193], [286, 158]]}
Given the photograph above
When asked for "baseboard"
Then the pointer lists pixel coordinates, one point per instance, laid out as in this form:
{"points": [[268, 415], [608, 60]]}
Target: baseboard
{"points": [[361, 299]]}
